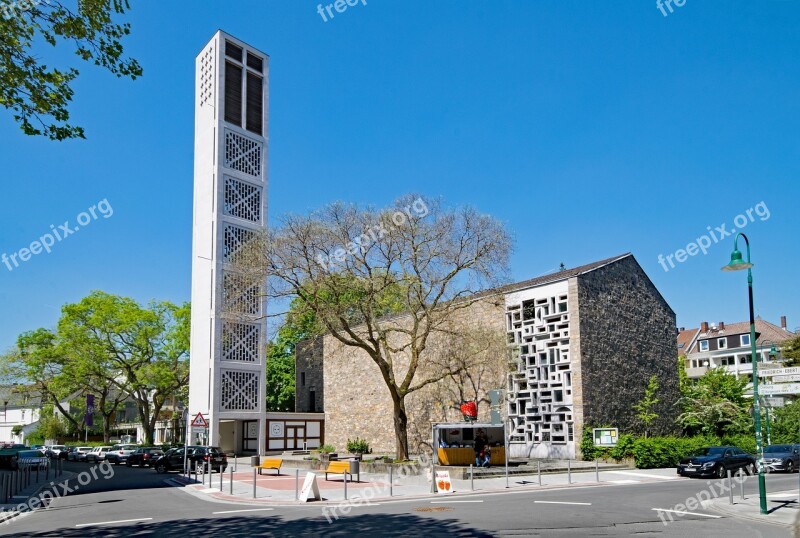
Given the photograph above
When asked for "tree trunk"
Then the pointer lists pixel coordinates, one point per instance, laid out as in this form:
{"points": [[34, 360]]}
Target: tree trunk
{"points": [[401, 428]]}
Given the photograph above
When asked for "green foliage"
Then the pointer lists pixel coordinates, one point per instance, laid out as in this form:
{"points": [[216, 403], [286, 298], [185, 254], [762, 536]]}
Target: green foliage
{"points": [[624, 448], [326, 449], [589, 451], [644, 408], [357, 446], [300, 324], [39, 95], [715, 405], [660, 452], [786, 423], [790, 350]]}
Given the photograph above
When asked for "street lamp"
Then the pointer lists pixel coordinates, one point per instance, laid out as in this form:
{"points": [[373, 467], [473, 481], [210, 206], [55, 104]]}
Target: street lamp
{"points": [[737, 264]]}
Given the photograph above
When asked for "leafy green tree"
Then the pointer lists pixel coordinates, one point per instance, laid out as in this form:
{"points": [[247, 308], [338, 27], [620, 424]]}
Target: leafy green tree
{"points": [[715, 405], [37, 94], [790, 350], [786, 423], [644, 407], [146, 348]]}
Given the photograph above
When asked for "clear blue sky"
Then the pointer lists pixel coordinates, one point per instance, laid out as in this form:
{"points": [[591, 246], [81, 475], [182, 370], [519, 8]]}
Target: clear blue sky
{"points": [[590, 128]]}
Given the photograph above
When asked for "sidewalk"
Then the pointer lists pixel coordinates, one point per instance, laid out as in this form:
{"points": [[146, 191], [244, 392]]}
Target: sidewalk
{"points": [[11, 510], [782, 507], [270, 488]]}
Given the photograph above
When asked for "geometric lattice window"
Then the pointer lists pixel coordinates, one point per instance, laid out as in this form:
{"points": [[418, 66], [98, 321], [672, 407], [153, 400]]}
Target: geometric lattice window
{"points": [[239, 391], [235, 241], [240, 341], [242, 154], [242, 200], [242, 294], [207, 77]]}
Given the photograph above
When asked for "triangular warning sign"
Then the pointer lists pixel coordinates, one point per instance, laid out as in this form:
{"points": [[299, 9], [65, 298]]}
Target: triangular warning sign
{"points": [[199, 421]]}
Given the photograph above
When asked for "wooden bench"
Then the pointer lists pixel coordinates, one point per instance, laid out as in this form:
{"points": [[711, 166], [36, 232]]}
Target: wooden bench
{"points": [[271, 463], [338, 467]]}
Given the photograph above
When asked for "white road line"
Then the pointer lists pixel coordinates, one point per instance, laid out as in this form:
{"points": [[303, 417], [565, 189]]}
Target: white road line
{"points": [[623, 482], [685, 513], [113, 522], [560, 502], [448, 502], [239, 511], [644, 475]]}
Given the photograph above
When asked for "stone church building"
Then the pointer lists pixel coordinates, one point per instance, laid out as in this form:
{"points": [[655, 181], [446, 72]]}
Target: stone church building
{"points": [[572, 349]]}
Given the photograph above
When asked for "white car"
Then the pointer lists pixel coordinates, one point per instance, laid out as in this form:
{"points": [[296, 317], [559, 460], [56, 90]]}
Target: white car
{"points": [[79, 454], [98, 453], [56, 451], [119, 453]]}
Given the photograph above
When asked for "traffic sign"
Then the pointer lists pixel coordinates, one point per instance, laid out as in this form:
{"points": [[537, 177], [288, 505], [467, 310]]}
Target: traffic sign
{"points": [[777, 371], [199, 421], [783, 388]]}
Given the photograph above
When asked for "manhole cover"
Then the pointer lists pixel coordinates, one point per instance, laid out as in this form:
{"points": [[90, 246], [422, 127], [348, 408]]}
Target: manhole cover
{"points": [[433, 508]]}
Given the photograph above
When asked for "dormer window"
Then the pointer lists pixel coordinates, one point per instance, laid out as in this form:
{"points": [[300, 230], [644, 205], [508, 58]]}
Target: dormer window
{"points": [[722, 343], [745, 339], [703, 345]]}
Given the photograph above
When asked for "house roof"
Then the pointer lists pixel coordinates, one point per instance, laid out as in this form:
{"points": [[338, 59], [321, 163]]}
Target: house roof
{"points": [[768, 333], [16, 396], [686, 339], [563, 274]]}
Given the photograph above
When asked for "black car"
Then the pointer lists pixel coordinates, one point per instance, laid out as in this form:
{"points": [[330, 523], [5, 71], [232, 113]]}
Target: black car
{"points": [[196, 457], [144, 456], [782, 458], [716, 461]]}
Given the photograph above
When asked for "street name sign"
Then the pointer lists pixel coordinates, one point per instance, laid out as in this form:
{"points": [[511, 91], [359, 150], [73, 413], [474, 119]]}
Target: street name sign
{"points": [[783, 388]]}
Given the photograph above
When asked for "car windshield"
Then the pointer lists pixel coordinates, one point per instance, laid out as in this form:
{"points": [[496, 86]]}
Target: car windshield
{"points": [[774, 449], [710, 451]]}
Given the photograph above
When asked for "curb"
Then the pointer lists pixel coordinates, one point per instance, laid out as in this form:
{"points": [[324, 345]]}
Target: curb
{"points": [[730, 510]]}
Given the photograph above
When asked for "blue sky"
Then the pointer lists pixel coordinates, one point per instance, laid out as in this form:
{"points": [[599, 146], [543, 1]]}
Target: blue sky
{"points": [[589, 128]]}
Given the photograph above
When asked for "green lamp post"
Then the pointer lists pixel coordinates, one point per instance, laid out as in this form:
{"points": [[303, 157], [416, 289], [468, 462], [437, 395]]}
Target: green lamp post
{"points": [[737, 264]]}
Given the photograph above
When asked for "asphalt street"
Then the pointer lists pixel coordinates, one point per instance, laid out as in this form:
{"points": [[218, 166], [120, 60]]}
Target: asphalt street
{"points": [[138, 502]]}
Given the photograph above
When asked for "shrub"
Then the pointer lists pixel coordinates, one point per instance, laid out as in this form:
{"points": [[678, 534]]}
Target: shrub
{"points": [[357, 446], [624, 448], [327, 449]]}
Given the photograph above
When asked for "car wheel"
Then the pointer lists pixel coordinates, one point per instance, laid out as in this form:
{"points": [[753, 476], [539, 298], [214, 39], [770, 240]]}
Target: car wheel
{"points": [[161, 468], [720, 471], [790, 467]]}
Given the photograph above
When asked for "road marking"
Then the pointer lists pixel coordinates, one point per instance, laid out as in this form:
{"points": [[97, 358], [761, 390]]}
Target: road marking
{"points": [[685, 513], [448, 502], [239, 511], [623, 481], [562, 502], [114, 522], [644, 475]]}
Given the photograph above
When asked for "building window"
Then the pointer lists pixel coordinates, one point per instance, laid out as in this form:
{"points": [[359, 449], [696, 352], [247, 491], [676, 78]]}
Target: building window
{"points": [[745, 339], [302, 379], [233, 94], [722, 343], [312, 401], [704, 345]]}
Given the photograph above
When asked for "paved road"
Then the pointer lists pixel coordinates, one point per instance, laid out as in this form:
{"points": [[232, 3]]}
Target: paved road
{"points": [[137, 502]]}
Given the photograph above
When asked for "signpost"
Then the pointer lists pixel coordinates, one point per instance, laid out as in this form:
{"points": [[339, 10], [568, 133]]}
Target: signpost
{"points": [[783, 388], [778, 371]]}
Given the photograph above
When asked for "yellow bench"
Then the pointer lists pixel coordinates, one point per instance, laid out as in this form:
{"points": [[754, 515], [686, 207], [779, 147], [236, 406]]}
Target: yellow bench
{"points": [[271, 463], [338, 467]]}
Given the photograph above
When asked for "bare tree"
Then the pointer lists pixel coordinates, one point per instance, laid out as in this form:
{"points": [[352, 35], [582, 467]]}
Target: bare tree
{"points": [[352, 266]]}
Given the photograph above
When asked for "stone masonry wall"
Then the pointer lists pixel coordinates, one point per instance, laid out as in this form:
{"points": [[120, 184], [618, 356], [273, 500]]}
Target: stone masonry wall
{"points": [[627, 334], [357, 401], [308, 361]]}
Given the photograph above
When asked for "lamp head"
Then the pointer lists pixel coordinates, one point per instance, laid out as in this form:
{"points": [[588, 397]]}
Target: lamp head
{"points": [[736, 263]]}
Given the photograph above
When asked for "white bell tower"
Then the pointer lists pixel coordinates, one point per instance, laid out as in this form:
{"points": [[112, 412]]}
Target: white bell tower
{"points": [[227, 355]]}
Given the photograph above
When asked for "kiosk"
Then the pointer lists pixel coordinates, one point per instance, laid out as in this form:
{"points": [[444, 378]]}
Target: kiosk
{"points": [[460, 440]]}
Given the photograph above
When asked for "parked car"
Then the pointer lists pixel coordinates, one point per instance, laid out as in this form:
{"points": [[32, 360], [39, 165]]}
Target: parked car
{"points": [[782, 458], [97, 453], [716, 461], [79, 453], [196, 457], [56, 451], [29, 458], [119, 453], [144, 457]]}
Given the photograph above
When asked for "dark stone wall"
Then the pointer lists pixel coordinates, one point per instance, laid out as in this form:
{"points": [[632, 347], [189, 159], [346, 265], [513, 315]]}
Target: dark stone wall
{"points": [[627, 334], [309, 376]]}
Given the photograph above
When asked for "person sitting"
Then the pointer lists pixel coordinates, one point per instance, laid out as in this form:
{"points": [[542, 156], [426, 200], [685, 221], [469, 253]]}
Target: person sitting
{"points": [[485, 457]]}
